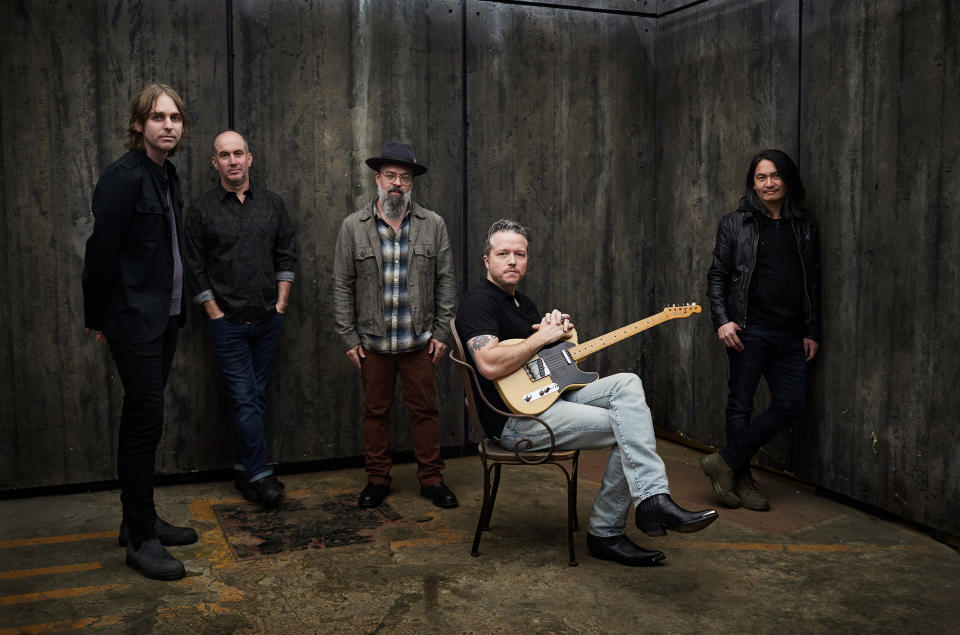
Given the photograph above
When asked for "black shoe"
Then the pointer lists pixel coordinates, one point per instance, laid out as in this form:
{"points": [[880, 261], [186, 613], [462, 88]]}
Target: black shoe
{"points": [[623, 550], [373, 495], [242, 483], [440, 494], [268, 490], [153, 561], [168, 534], [658, 513]]}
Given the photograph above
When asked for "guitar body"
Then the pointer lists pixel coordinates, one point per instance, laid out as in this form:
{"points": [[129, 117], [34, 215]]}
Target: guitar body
{"points": [[534, 387]]}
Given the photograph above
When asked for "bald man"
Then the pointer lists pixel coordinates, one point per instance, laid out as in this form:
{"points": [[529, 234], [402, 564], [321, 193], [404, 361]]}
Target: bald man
{"points": [[240, 254]]}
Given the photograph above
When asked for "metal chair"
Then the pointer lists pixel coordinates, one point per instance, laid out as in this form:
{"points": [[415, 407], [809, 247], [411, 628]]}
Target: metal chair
{"points": [[493, 455]]}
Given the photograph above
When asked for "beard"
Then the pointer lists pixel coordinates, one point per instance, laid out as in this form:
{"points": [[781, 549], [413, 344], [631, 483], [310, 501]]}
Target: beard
{"points": [[393, 206]]}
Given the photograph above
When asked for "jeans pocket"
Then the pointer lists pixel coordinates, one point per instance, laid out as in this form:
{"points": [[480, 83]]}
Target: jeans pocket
{"points": [[215, 329]]}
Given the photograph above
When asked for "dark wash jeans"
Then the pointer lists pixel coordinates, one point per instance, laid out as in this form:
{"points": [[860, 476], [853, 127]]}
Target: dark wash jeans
{"points": [[143, 369], [244, 354], [778, 356]]}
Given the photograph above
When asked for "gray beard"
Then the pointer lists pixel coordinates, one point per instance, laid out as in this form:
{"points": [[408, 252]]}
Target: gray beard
{"points": [[393, 208]]}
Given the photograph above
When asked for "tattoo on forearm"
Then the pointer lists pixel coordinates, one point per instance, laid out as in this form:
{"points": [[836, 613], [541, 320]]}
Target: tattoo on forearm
{"points": [[480, 341]]}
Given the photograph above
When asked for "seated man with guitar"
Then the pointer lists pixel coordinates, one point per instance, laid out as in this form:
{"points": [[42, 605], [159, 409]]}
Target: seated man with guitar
{"points": [[611, 411]]}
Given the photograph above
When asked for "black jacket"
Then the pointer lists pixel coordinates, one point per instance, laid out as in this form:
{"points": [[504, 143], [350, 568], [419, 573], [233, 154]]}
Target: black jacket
{"points": [[128, 266], [734, 259]]}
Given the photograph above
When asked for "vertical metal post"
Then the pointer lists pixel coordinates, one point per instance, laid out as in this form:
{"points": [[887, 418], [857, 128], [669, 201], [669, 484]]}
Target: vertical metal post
{"points": [[230, 103]]}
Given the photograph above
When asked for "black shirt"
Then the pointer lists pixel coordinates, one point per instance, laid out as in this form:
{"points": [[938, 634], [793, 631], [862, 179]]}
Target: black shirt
{"points": [[236, 252], [487, 310], [162, 176], [776, 297]]}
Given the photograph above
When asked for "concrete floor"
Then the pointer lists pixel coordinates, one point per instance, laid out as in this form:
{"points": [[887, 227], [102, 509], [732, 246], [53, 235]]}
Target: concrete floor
{"points": [[320, 565]]}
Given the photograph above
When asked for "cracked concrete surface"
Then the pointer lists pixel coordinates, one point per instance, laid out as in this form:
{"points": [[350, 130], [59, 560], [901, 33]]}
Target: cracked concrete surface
{"points": [[809, 565]]}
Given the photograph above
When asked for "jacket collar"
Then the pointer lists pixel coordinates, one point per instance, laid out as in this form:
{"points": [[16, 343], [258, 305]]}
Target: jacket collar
{"points": [[147, 163]]}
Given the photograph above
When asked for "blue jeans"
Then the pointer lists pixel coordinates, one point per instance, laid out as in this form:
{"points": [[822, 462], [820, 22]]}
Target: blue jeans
{"points": [[610, 411], [244, 354], [778, 356]]}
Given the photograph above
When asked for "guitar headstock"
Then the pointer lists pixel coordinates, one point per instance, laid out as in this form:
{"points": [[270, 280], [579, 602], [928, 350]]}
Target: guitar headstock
{"points": [[675, 311]]}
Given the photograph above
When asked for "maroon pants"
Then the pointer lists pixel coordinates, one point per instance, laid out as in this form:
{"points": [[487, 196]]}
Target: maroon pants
{"points": [[379, 373]]}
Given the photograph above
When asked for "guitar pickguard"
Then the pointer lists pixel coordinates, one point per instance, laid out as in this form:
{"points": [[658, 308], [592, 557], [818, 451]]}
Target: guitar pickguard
{"points": [[538, 383]]}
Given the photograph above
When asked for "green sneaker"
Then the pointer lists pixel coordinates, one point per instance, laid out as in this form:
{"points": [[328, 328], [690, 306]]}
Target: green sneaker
{"points": [[750, 496], [721, 477]]}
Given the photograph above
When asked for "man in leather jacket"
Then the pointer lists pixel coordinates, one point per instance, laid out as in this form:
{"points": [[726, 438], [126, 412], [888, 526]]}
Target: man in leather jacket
{"points": [[764, 291]]}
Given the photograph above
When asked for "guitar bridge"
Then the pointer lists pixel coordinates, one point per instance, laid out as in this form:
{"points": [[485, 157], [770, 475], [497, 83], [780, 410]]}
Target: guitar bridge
{"points": [[536, 369]]}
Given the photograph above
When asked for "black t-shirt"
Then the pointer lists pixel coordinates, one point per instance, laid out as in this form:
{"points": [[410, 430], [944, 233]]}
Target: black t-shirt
{"points": [[488, 310], [776, 289]]}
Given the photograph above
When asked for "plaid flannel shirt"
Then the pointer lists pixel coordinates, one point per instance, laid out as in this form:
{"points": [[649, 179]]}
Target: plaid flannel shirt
{"points": [[400, 336]]}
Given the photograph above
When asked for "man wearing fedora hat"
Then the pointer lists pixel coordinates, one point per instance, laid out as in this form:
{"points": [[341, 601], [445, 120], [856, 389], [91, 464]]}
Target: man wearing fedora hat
{"points": [[394, 293]]}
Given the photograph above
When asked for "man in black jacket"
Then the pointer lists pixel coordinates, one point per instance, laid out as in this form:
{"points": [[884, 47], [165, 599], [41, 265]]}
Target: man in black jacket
{"points": [[133, 299], [764, 290]]}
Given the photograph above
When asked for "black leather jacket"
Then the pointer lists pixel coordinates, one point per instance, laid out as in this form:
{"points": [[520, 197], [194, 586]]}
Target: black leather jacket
{"points": [[734, 259]]}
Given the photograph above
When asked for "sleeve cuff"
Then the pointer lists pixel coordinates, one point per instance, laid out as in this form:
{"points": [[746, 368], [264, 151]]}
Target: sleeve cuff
{"points": [[203, 296], [285, 276]]}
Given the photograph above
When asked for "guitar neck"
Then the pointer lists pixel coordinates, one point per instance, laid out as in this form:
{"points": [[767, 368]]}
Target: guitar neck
{"points": [[590, 347]]}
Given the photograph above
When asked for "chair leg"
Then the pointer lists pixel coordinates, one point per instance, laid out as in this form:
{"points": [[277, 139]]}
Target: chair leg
{"points": [[574, 485], [493, 495], [475, 549], [571, 515]]}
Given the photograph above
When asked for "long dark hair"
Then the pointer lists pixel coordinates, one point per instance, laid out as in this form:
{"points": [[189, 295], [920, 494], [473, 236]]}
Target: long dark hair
{"points": [[792, 204]]}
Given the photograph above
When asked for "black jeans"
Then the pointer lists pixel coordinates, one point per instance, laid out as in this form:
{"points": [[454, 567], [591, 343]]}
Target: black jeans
{"points": [[778, 356], [143, 369]]}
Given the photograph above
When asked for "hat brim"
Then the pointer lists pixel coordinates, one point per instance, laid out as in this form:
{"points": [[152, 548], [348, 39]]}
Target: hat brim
{"points": [[376, 162]]}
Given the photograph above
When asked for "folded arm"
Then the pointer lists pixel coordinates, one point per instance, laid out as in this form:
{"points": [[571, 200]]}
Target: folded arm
{"points": [[495, 361]]}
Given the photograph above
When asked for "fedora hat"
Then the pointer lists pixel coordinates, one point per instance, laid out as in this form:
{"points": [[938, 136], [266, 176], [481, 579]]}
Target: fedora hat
{"points": [[397, 153]]}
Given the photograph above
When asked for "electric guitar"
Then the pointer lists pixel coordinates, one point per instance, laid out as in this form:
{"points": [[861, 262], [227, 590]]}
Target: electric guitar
{"points": [[534, 386]]}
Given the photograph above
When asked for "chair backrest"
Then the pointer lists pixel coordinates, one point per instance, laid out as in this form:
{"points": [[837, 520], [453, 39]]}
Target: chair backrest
{"points": [[471, 388], [465, 370]]}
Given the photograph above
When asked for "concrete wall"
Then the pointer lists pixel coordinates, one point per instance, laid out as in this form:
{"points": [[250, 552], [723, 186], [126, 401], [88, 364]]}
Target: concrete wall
{"points": [[727, 87], [880, 139], [318, 88], [618, 130], [862, 94], [68, 72], [560, 112]]}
